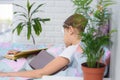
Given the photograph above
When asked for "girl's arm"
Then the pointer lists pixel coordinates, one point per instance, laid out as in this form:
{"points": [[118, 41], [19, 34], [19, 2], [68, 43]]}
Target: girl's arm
{"points": [[50, 68]]}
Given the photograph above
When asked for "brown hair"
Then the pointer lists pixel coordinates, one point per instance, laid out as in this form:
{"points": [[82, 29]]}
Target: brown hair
{"points": [[76, 21]]}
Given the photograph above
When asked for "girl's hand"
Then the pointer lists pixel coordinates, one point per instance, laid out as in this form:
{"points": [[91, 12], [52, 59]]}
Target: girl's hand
{"points": [[13, 52], [2, 74]]}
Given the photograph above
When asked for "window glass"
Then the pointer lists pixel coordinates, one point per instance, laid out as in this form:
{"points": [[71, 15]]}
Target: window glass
{"points": [[6, 14]]}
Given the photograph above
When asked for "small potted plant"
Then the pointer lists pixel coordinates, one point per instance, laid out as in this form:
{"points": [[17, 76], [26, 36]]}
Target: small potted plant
{"points": [[96, 37], [28, 20], [93, 49]]}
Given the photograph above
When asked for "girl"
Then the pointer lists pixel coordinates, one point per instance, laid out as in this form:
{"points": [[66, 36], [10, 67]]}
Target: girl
{"points": [[73, 27]]}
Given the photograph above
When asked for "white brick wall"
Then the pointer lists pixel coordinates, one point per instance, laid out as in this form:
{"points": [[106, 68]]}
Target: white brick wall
{"points": [[57, 11]]}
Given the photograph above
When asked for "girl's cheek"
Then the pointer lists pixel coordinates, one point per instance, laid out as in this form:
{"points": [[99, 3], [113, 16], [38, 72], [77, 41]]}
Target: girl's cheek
{"points": [[66, 41]]}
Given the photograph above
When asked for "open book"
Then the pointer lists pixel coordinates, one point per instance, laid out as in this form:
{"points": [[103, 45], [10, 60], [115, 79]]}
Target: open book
{"points": [[24, 53]]}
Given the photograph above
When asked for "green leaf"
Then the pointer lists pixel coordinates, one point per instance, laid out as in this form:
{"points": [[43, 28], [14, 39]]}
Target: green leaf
{"points": [[112, 31], [89, 2], [97, 14], [108, 4], [28, 5], [18, 28], [17, 12], [39, 6], [13, 30], [44, 20], [23, 15], [23, 20], [20, 6], [28, 30], [36, 9], [31, 5], [36, 30], [107, 1], [38, 25], [85, 2]]}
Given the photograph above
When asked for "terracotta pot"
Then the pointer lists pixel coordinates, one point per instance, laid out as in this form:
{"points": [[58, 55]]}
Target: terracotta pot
{"points": [[93, 73]]}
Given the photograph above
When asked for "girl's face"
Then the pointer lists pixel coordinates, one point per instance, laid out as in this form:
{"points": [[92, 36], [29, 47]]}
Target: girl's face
{"points": [[67, 37]]}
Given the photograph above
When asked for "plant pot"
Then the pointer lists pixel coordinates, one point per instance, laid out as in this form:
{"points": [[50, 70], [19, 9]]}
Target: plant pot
{"points": [[93, 73]]}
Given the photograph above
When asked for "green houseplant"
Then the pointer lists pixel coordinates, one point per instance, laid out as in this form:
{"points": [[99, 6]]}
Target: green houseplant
{"points": [[28, 20], [97, 35]]}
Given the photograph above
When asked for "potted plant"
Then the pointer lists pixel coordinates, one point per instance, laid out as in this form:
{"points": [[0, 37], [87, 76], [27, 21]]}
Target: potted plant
{"points": [[93, 49], [97, 36], [28, 20]]}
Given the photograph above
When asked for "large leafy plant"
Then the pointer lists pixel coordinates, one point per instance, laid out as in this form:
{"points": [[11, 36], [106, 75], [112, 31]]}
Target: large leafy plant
{"points": [[28, 20], [97, 35]]}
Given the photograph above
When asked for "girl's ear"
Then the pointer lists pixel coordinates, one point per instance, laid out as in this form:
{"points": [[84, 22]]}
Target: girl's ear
{"points": [[71, 30]]}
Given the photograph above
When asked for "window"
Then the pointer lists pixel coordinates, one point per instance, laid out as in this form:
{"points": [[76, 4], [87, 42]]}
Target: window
{"points": [[6, 13]]}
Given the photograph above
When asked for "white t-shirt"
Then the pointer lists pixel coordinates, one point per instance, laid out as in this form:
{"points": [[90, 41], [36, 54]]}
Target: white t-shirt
{"points": [[75, 60], [69, 52]]}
